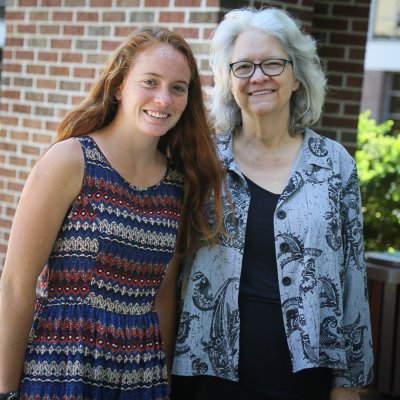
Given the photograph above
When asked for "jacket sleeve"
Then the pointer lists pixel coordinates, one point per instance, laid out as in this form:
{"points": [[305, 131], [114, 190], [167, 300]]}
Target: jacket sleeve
{"points": [[356, 326]]}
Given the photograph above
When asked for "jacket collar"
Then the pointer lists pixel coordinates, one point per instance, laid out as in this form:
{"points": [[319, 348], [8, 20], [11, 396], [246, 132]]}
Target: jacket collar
{"points": [[315, 151]]}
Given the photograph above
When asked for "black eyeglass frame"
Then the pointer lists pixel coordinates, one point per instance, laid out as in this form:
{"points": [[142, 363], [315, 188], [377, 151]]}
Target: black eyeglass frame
{"points": [[255, 65]]}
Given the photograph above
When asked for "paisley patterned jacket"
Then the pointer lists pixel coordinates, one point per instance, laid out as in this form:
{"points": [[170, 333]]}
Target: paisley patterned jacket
{"points": [[321, 270]]}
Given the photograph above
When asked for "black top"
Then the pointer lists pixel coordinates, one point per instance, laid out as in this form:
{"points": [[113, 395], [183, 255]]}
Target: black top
{"points": [[264, 359]]}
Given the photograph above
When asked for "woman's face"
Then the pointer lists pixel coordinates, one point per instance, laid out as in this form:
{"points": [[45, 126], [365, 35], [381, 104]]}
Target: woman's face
{"points": [[154, 93], [261, 95]]}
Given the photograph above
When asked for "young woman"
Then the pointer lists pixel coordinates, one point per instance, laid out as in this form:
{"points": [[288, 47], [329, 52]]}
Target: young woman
{"points": [[132, 168]]}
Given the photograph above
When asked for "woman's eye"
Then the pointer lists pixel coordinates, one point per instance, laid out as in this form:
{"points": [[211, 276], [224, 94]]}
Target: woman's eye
{"points": [[150, 82], [180, 89], [243, 67]]}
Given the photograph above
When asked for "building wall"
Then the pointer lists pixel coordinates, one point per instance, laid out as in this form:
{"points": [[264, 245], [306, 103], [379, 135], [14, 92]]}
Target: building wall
{"points": [[373, 94], [54, 49]]}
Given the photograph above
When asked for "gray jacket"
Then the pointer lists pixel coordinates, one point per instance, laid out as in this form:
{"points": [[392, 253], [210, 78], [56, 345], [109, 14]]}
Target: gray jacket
{"points": [[321, 270]]}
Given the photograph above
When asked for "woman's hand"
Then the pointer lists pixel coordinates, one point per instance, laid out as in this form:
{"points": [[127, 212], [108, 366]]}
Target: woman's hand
{"points": [[342, 393]]}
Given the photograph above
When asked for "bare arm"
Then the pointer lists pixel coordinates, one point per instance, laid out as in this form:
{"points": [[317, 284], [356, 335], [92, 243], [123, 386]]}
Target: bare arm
{"points": [[49, 191], [166, 305], [342, 393]]}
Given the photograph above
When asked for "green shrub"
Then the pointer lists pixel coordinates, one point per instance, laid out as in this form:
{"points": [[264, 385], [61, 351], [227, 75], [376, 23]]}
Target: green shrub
{"points": [[378, 163]]}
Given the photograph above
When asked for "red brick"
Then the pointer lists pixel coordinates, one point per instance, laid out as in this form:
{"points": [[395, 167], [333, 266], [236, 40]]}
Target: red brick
{"points": [[109, 45], [352, 109], [61, 44], [348, 39], [31, 150], [46, 84], [12, 67], [40, 138], [62, 16], [11, 94], [114, 17], [88, 16], [338, 24], [31, 123], [50, 29], [13, 42], [7, 172], [360, 26], [354, 81], [341, 66], [24, 55], [16, 187], [123, 31], [10, 211], [357, 54], [21, 108], [345, 95], [77, 100], [23, 175], [59, 71], [84, 72], [28, 3], [26, 29], [7, 198], [51, 3], [24, 136], [12, 121], [187, 3], [346, 10], [14, 15], [36, 69], [8, 147], [72, 57], [340, 122], [47, 56], [100, 3], [172, 16], [18, 161], [332, 52], [188, 33], [156, 3], [74, 30], [7, 54], [331, 108], [39, 16]]}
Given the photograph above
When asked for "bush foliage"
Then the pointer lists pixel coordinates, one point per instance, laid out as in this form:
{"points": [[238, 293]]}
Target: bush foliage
{"points": [[378, 163]]}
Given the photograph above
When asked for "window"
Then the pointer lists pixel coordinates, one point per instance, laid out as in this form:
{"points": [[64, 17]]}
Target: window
{"points": [[387, 19]]}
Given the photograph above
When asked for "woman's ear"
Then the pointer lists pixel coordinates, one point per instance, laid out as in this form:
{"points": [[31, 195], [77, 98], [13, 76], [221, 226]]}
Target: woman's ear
{"points": [[296, 85]]}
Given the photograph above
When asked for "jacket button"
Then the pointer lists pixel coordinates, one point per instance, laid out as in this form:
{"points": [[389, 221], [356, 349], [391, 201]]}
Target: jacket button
{"points": [[281, 214], [286, 281], [284, 247]]}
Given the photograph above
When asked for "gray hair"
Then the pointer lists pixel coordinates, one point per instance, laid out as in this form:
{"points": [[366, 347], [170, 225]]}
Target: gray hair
{"points": [[306, 102]]}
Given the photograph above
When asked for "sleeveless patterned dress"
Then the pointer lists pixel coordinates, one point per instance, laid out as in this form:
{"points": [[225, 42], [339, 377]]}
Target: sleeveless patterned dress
{"points": [[95, 334]]}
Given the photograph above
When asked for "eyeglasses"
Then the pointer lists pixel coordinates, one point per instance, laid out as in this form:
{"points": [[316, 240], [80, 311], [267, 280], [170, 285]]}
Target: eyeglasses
{"points": [[270, 67]]}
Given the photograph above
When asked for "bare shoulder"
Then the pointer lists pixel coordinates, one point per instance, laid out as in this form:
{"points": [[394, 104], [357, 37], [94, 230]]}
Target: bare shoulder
{"points": [[60, 168], [68, 151]]}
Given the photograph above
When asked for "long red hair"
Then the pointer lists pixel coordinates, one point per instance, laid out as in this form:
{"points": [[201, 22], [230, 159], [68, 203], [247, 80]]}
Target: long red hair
{"points": [[188, 144]]}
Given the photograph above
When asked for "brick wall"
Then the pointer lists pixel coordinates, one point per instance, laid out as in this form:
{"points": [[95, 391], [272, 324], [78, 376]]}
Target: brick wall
{"points": [[54, 49]]}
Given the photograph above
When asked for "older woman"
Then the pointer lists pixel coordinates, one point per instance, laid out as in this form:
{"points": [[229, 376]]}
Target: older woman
{"points": [[278, 308]]}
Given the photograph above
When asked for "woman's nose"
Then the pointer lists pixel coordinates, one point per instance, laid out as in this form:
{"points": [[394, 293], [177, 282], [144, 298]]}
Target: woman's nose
{"points": [[259, 75], [163, 97]]}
